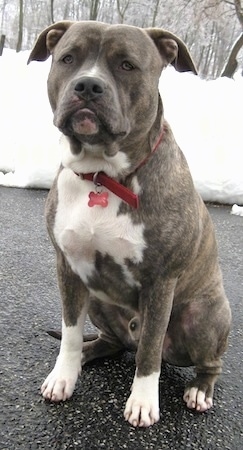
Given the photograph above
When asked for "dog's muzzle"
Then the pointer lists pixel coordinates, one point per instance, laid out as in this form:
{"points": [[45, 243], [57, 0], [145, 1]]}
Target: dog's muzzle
{"points": [[87, 89]]}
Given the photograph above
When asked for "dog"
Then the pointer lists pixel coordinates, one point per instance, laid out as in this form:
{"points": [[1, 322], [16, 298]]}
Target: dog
{"points": [[135, 245]]}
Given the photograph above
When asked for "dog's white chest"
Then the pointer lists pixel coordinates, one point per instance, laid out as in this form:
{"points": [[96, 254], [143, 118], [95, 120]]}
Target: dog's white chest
{"points": [[81, 231]]}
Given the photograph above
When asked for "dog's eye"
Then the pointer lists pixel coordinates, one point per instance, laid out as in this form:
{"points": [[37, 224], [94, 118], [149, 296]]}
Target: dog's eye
{"points": [[68, 59], [126, 65]]}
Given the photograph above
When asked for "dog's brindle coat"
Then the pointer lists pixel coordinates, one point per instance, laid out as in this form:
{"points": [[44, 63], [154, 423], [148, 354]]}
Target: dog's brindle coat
{"points": [[149, 277]]}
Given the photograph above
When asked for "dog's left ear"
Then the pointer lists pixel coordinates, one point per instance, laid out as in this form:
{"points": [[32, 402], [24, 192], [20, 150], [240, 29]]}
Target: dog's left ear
{"points": [[172, 49]]}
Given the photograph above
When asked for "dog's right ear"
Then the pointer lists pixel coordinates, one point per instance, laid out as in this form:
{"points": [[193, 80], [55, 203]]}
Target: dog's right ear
{"points": [[47, 40]]}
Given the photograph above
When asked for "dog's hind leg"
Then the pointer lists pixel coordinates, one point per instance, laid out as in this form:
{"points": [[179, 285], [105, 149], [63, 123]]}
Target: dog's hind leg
{"points": [[207, 343], [198, 393]]}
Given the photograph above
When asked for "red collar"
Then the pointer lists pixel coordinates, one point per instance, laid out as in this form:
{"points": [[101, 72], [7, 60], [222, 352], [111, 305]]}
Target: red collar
{"points": [[101, 179]]}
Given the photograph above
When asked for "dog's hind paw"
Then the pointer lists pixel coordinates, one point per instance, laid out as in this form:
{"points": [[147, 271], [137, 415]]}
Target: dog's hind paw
{"points": [[142, 407], [197, 399]]}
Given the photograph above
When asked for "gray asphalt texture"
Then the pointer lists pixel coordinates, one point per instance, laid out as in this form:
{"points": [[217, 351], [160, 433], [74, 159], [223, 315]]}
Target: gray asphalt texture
{"points": [[93, 418]]}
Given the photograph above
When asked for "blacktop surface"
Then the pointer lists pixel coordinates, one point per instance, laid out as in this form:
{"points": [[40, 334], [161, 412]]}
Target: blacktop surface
{"points": [[93, 418]]}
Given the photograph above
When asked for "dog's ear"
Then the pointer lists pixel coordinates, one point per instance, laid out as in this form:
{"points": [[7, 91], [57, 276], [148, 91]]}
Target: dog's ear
{"points": [[173, 50], [47, 40]]}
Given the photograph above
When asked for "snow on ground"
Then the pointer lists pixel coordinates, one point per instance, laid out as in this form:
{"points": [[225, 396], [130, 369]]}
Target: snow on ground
{"points": [[29, 143], [206, 117]]}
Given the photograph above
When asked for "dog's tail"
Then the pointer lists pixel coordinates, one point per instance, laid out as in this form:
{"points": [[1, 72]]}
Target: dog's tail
{"points": [[58, 335]]}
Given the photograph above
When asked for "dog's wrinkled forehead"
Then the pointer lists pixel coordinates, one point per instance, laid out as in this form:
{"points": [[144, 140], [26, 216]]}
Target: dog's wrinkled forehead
{"points": [[97, 39], [147, 45]]}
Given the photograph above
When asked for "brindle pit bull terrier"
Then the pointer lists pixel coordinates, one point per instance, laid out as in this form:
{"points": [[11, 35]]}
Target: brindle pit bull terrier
{"points": [[135, 245]]}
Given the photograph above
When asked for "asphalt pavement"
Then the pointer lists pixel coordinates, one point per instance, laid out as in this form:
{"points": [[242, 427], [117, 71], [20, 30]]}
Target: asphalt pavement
{"points": [[93, 418]]}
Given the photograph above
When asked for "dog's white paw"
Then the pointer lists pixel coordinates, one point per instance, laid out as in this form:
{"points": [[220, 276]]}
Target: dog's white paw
{"points": [[197, 399], [60, 383], [142, 407]]}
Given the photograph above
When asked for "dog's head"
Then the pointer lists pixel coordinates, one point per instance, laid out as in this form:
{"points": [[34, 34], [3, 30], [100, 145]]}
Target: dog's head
{"points": [[103, 82]]}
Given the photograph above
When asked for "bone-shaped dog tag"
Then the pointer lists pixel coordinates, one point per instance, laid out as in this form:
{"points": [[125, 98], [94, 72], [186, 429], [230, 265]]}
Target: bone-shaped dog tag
{"points": [[98, 199]]}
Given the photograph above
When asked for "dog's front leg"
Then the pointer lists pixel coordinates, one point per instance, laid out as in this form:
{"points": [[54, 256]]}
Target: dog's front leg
{"points": [[60, 383], [142, 407]]}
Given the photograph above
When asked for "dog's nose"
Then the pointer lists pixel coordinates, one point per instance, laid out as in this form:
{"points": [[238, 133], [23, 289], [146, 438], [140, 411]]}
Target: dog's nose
{"points": [[89, 87]]}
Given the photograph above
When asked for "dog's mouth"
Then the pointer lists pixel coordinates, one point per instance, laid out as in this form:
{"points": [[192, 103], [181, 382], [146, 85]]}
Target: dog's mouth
{"points": [[84, 122], [87, 125], [80, 122]]}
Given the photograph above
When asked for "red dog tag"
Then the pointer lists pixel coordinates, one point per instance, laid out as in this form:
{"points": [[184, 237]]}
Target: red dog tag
{"points": [[98, 199]]}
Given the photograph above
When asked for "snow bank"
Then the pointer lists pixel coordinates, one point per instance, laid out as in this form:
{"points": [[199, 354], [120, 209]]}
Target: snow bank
{"points": [[206, 117]]}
